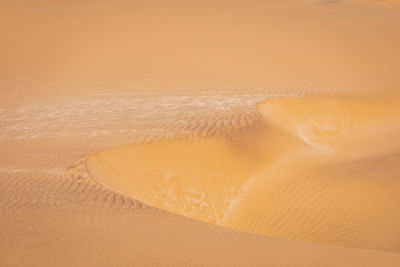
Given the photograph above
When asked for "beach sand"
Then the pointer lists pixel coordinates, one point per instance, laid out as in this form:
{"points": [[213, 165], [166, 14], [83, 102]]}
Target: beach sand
{"points": [[176, 133]]}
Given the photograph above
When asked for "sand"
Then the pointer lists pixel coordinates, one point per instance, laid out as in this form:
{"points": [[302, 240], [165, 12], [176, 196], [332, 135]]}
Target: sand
{"points": [[178, 133], [267, 179]]}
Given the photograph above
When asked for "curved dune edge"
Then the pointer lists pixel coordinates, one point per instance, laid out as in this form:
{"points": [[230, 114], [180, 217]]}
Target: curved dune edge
{"points": [[269, 178]]}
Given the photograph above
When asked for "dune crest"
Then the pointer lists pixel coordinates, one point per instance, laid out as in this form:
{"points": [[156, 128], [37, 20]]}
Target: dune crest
{"points": [[321, 120]]}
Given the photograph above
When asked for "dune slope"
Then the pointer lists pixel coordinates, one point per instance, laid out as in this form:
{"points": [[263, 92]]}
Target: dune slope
{"points": [[265, 178]]}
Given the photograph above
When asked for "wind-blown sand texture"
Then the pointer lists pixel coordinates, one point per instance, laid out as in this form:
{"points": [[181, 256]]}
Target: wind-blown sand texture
{"points": [[176, 133], [313, 183]]}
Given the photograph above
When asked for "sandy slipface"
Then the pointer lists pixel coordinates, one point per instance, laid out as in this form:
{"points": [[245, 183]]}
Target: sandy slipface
{"points": [[195, 120]]}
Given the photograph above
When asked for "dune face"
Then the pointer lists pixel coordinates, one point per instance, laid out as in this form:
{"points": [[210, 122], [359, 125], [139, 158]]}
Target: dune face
{"points": [[198, 178], [199, 133], [352, 159], [266, 178]]}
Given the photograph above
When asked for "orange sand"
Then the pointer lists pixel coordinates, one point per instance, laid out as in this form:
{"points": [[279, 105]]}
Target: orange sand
{"points": [[253, 180], [275, 118]]}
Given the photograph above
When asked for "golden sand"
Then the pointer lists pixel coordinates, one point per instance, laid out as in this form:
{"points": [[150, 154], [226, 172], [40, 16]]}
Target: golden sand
{"points": [[253, 180], [187, 133]]}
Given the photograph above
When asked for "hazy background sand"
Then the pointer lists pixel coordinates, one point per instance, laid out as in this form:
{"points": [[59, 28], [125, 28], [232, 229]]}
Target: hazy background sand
{"points": [[78, 77]]}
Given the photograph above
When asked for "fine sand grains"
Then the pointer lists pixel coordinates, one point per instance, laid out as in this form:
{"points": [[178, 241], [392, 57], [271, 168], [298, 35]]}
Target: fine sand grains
{"points": [[179, 87], [52, 214], [260, 179]]}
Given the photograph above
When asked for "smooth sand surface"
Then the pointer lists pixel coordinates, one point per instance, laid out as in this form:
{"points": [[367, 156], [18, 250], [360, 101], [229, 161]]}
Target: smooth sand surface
{"points": [[179, 133]]}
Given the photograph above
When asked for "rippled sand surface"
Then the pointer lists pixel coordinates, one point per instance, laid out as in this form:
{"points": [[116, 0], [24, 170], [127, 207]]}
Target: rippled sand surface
{"points": [[175, 133], [269, 178]]}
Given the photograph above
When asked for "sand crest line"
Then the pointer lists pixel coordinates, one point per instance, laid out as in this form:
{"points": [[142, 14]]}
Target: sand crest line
{"points": [[103, 112]]}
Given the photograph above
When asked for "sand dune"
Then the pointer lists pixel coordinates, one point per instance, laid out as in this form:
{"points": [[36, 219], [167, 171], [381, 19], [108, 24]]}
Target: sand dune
{"points": [[352, 161], [253, 180], [53, 214], [275, 118]]}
